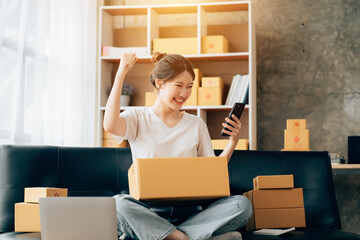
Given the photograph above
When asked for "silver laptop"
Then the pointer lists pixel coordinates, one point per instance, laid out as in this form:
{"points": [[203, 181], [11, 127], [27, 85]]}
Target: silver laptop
{"points": [[78, 218]]}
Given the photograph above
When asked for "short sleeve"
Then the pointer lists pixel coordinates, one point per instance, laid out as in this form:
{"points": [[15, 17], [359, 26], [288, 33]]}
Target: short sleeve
{"points": [[205, 148], [131, 119]]}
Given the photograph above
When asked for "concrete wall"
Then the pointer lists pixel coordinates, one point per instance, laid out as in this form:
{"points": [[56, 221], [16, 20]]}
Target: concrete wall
{"points": [[308, 66]]}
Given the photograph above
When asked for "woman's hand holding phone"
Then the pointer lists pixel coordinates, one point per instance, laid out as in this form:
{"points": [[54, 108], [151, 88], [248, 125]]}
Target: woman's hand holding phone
{"points": [[232, 125]]}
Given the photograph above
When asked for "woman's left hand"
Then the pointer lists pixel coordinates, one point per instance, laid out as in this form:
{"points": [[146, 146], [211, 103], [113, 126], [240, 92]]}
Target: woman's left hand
{"points": [[234, 127]]}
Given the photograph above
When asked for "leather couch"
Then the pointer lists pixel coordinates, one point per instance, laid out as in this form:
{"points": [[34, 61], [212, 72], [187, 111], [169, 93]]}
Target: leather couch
{"points": [[103, 172]]}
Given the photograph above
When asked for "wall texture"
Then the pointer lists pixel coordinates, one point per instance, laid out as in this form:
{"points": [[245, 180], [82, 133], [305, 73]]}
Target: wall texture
{"points": [[308, 66]]}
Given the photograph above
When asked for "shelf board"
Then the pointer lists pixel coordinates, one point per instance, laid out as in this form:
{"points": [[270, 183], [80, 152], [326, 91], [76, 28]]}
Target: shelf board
{"points": [[175, 9], [200, 57], [126, 10], [189, 108], [225, 6]]}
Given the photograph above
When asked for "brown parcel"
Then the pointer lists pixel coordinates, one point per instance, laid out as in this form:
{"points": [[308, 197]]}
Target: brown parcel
{"points": [[33, 194], [277, 218], [27, 217], [276, 198], [273, 181], [179, 178]]}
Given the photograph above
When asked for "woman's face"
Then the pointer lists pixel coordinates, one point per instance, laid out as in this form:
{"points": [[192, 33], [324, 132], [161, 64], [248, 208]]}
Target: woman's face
{"points": [[175, 92]]}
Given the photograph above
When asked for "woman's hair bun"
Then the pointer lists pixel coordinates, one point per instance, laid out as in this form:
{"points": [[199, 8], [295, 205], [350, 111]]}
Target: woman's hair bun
{"points": [[157, 56]]}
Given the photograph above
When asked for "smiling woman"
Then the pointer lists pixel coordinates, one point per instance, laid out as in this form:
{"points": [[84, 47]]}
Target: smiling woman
{"points": [[47, 72]]}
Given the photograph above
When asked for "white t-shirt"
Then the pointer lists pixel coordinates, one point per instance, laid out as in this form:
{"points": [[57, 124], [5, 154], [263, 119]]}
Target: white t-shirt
{"points": [[150, 137]]}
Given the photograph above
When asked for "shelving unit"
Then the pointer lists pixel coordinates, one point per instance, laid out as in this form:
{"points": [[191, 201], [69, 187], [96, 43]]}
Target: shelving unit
{"points": [[240, 59]]}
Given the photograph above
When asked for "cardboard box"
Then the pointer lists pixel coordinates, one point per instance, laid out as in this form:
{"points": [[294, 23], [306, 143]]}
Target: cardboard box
{"points": [[193, 99], [33, 194], [212, 82], [214, 44], [150, 98], [210, 96], [297, 140], [220, 144], [277, 198], [273, 181], [27, 217], [295, 124], [179, 178], [277, 218], [182, 46], [198, 77], [111, 143]]}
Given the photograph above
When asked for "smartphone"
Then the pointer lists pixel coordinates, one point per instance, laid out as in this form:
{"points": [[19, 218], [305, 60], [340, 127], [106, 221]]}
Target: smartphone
{"points": [[237, 110]]}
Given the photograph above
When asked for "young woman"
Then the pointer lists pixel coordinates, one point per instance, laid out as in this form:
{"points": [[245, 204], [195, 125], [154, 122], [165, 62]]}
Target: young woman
{"points": [[163, 130]]}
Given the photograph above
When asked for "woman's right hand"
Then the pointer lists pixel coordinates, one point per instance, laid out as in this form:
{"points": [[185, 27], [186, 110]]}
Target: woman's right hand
{"points": [[127, 61]]}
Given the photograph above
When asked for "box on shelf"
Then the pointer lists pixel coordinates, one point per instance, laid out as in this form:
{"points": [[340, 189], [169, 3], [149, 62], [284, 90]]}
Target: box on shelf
{"points": [[212, 82], [220, 144], [179, 178], [273, 181], [193, 99], [150, 98], [276, 198], [198, 77], [214, 44], [277, 218], [209, 96], [297, 140], [109, 51], [33, 194], [185, 46], [27, 217], [295, 124]]}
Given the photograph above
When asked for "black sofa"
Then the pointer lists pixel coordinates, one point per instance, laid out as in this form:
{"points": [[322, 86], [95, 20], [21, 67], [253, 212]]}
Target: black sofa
{"points": [[103, 172]]}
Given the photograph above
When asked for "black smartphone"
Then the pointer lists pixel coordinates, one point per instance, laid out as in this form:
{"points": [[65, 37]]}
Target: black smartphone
{"points": [[237, 110]]}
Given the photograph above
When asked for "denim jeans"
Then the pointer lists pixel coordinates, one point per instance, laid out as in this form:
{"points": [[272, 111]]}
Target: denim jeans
{"points": [[139, 221]]}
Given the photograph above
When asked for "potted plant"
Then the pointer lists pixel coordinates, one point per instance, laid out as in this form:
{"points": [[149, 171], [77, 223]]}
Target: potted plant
{"points": [[127, 91]]}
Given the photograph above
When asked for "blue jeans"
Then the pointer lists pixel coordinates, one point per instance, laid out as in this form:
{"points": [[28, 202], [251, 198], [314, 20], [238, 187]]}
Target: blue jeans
{"points": [[139, 221]]}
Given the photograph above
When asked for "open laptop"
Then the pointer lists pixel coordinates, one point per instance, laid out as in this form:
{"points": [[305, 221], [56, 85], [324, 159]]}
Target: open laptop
{"points": [[78, 218]]}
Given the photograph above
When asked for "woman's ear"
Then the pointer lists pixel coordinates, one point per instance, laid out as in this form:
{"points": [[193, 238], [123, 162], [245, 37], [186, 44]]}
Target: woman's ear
{"points": [[158, 83]]}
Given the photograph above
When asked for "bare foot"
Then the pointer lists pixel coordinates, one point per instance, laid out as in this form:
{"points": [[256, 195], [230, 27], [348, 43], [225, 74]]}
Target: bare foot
{"points": [[177, 235]]}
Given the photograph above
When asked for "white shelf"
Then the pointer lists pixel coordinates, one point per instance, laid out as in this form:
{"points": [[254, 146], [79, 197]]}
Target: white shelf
{"points": [[240, 60]]}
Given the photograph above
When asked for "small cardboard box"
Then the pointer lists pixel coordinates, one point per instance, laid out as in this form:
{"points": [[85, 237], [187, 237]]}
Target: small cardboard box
{"points": [[297, 140], [33, 194], [212, 82], [277, 218], [296, 124], [198, 77], [27, 217], [210, 96], [150, 98], [193, 99], [176, 45], [277, 198], [273, 181], [220, 144], [214, 44], [179, 178]]}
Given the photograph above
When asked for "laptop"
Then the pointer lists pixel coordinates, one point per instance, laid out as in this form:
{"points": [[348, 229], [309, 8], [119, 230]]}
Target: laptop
{"points": [[78, 218]]}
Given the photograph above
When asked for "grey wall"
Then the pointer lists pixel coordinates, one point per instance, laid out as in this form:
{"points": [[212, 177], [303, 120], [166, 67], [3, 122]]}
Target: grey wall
{"points": [[308, 66]]}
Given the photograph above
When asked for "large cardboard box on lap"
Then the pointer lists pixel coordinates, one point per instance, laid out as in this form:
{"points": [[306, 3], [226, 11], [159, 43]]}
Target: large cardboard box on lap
{"points": [[179, 178]]}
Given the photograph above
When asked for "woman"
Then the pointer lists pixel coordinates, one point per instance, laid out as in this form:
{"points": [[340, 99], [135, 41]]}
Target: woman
{"points": [[164, 131]]}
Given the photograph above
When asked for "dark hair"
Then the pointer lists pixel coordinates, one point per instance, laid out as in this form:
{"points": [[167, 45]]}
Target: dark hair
{"points": [[169, 66]]}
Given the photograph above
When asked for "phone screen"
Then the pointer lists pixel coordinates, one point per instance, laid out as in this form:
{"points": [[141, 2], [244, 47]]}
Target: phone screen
{"points": [[237, 110]]}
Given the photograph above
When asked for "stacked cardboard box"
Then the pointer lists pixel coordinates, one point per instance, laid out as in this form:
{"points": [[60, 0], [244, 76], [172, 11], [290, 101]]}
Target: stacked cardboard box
{"points": [[108, 141], [211, 90], [276, 203], [193, 99], [27, 214], [296, 135], [220, 144]]}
